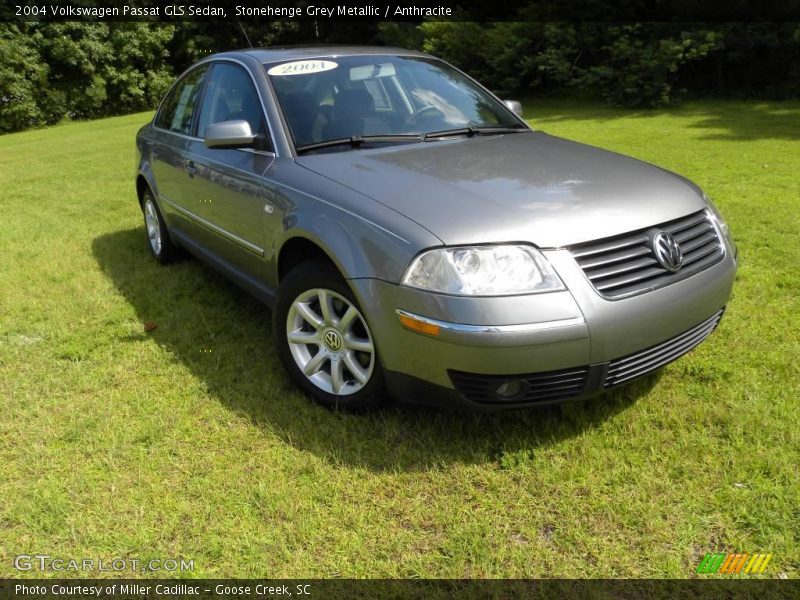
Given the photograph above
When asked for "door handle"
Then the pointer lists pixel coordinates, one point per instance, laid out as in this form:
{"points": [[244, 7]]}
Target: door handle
{"points": [[191, 168]]}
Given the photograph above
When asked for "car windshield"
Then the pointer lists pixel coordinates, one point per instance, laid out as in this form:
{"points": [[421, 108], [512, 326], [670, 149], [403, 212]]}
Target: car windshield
{"points": [[344, 97]]}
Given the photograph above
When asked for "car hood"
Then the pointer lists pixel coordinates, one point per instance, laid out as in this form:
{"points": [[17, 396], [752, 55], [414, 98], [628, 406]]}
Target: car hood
{"points": [[530, 187]]}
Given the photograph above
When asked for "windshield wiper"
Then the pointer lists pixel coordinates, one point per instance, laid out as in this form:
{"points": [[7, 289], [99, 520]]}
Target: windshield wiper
{"points": [[471, 130], [357, 140]]}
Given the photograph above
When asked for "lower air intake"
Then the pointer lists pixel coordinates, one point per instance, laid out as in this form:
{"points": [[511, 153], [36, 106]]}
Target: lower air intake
{"points": [[643, 362], [525, 388]]}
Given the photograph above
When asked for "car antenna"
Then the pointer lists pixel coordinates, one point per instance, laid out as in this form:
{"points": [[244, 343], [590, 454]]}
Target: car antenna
{"points": [[249, 43]]}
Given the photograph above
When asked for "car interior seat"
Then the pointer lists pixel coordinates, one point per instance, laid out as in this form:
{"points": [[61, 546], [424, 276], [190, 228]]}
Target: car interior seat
{"points": [[302, 113], [352, 111]]}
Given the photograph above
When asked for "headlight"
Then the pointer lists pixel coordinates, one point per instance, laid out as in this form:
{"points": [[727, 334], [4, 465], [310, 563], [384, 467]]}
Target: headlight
{"points": [[483, 271], [721, 224]]}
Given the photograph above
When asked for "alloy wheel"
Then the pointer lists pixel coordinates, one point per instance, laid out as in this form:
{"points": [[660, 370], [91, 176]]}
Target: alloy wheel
{"points": [[153, 226], [330, 341]]}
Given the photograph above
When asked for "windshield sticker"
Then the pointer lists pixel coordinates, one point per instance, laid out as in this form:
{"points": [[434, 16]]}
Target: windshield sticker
{"points": [[303, 67]]}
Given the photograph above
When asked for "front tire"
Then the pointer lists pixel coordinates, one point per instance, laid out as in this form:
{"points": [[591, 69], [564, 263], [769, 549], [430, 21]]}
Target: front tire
{"points": [[324, 341], [161, 245]]}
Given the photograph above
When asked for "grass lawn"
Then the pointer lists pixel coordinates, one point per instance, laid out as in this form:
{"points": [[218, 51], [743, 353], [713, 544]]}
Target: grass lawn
{"points": [[188, 440]]}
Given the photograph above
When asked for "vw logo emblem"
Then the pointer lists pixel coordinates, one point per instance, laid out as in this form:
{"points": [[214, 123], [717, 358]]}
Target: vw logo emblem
{"points": [[668, 251], [333, 341]]}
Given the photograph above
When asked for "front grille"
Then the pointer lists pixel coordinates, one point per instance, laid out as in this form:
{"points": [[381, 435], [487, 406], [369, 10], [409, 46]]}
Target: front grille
{"points": [[535, 387], [625, 264], [640, 363]]}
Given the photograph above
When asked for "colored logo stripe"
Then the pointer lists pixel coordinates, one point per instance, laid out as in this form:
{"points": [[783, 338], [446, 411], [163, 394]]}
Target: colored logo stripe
{"points": [[758, 563], [734, 563], [710, 563]]}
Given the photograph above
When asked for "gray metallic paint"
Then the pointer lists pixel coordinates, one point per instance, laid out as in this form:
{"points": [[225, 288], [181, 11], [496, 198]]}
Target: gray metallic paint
{"points": [[530, 187], [372, 210], [236, 134]]}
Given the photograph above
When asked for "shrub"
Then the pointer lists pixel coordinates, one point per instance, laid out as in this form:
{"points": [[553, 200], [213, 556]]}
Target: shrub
{"points": [[638, 68], [52, 70], [23, 80]]}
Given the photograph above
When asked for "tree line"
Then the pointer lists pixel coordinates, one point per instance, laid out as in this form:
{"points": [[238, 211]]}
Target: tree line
{"points": [[56, 70]]}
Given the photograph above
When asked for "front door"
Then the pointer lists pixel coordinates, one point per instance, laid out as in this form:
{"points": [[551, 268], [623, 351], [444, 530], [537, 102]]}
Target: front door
{"points": [[229, 192]]}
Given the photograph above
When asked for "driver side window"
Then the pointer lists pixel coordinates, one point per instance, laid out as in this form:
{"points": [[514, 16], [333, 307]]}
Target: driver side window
{"points": [[231, 95]]}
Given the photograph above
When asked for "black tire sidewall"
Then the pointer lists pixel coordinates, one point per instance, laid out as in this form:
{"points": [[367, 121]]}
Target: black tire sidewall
{"points": [[311, 275]]}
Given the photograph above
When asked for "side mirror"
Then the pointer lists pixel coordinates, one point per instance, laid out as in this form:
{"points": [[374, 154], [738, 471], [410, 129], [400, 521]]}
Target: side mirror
{"points": [[230, 134], [514, 105]]}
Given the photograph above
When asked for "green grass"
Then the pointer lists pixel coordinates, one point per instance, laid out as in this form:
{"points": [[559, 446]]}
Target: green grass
{"points": [[188, 441]]}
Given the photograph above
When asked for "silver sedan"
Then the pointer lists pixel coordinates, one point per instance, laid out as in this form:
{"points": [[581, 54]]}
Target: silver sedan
{"points": [[416, 239]]}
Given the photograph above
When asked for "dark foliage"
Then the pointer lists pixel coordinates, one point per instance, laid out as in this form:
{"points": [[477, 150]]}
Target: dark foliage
{"points": [[49, 71]]}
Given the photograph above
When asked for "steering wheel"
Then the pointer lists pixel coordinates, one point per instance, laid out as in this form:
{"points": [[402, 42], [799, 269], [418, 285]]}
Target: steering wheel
{"points": [[411, 119]]}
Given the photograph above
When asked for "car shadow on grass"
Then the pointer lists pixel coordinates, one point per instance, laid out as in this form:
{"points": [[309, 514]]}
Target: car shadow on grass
{"points": [[224, 337]]}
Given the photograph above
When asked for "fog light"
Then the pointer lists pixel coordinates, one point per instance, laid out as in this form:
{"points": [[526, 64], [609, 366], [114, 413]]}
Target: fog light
{"points": [[510, 389]]}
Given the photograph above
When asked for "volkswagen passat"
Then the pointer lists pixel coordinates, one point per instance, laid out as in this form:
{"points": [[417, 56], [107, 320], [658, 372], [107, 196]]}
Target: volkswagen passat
{"points": [[413, 235]]}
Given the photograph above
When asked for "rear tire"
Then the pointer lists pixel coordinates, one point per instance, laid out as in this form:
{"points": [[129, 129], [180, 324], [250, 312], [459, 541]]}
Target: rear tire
{"points": [[160, 243], [324, 341]]}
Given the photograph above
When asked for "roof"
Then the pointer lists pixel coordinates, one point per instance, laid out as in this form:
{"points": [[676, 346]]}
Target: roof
{"points": [[280, 53]]}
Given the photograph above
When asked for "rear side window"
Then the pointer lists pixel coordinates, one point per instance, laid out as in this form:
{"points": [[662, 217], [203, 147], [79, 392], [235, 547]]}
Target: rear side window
{"points": [[229, 96], [178, 109]]}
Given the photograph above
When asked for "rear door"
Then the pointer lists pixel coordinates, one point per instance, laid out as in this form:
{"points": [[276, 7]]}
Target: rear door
{"points": [[173, 145]]}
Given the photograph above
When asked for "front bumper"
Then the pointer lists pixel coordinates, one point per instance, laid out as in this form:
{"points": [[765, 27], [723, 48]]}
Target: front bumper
{"points": [[574, 341]]}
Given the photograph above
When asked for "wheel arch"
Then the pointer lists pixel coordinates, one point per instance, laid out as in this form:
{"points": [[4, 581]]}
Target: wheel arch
{"points": [[357, 247], [298, 249], [142, 185], [145, 180]]}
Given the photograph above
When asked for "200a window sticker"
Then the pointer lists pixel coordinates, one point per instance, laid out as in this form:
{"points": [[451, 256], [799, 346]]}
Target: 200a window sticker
{"points": [[303, 67]]}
